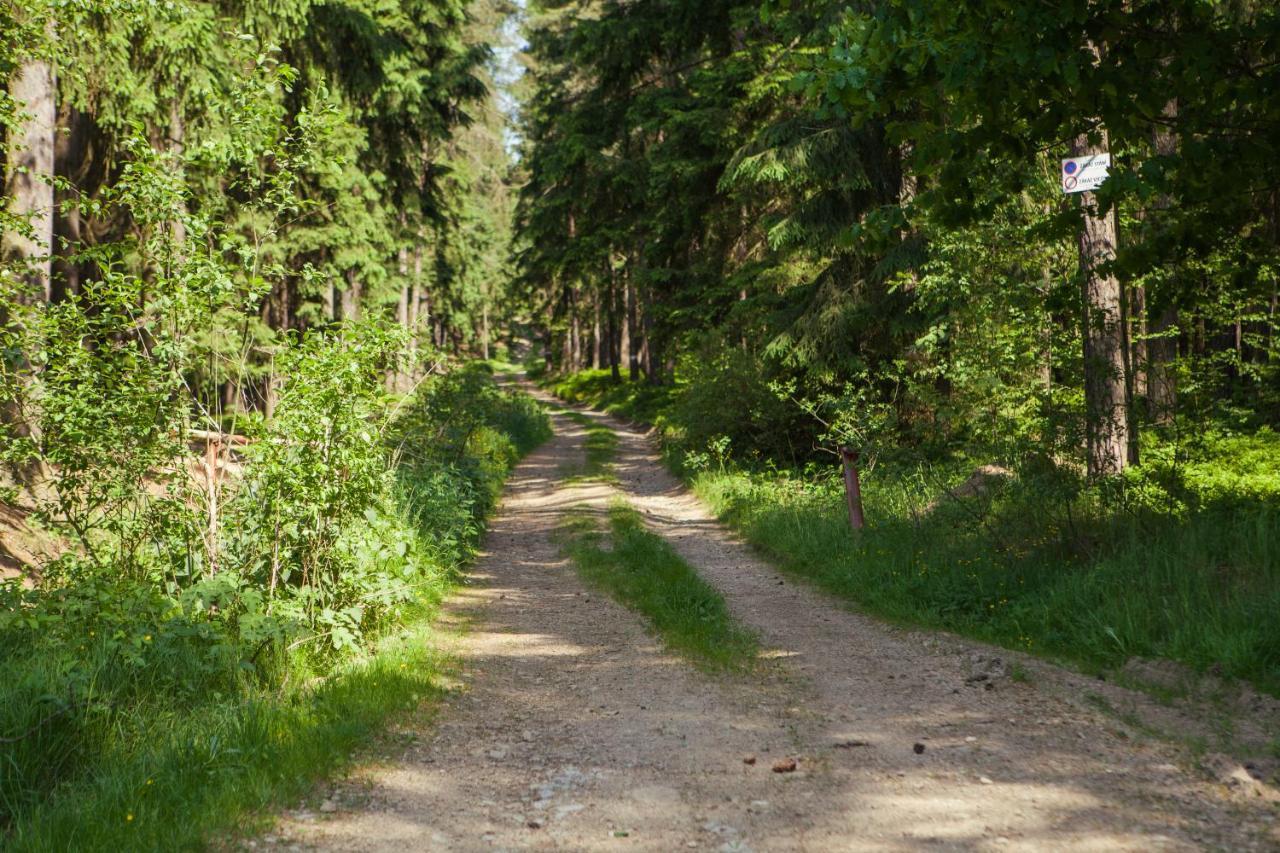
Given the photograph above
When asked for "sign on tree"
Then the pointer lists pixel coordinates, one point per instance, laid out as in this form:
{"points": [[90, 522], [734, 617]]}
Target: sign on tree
{"points": [[1084, 174]]}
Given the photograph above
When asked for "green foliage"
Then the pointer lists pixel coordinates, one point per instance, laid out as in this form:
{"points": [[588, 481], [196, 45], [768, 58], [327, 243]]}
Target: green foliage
{"points": [[257, 212], [319, 467], [729, 399], [1178, 559], [161, 773], [640, 570], [125, 695], [1073, 576], [596, 388]]}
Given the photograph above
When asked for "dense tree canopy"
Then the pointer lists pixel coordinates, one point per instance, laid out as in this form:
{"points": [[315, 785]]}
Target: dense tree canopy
{"points": [[864, 205]]}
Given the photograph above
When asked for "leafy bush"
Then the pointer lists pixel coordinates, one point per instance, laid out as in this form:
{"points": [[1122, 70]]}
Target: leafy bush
{"points": [[727, 397], [342, 531]]}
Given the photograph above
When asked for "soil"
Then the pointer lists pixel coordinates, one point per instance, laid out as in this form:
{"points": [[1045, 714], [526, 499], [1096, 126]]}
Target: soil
{"points": [[573, 729]]}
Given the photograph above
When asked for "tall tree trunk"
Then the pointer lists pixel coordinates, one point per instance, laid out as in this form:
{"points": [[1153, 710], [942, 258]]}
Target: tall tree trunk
{"points": [[1162, 346], [575, 329], [71, 155], [1139, 358], [566, 336], [400, 372], [630, 336], [647, 361], [29, 182], [333, 303], [549, 341], [615, 340], [1107, 426], [29, 160], [230, 396], [596, 361], [415, 305], [177, 148]]}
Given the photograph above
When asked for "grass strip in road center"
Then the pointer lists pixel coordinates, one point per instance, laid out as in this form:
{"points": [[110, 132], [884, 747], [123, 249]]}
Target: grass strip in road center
{"points": [[601, 444], [640, 570]]}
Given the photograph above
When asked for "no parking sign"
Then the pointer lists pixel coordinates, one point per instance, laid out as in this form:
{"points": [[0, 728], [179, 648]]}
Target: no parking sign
{"points": [[1083, 174]]}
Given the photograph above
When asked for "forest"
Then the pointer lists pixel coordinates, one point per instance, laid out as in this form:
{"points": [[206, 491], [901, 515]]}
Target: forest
{"points": [[288, 290], [777, 231]]}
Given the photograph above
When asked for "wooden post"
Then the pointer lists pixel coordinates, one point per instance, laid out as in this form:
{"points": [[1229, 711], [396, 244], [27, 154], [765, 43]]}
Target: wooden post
{"points": [[852, 488]]}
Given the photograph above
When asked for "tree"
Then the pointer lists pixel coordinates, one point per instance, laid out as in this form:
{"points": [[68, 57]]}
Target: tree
{"points": [[29, 163]]}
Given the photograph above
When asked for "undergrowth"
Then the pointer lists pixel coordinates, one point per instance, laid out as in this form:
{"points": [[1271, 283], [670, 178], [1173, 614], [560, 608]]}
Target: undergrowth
{"points": [[1180, 559], [641, 571], [144, 714], [636, 401]]}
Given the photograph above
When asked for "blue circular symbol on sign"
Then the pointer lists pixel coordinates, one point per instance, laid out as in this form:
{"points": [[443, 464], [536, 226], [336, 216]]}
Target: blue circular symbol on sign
{"points": [[1070, 167]]}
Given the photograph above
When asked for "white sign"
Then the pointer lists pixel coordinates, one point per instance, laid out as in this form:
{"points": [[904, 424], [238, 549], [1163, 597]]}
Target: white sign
{"points": [[1084, 174]]}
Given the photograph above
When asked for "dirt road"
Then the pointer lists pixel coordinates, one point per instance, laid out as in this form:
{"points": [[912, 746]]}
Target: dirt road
{"points": [[576, 731]]}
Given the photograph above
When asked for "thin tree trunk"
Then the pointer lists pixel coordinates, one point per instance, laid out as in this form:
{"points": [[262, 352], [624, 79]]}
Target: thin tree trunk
{"points": [[615, 340], [630, 338], [596, 361], [1139, 356], [177, 148], [70, 157], [575, 330], [350, 298], [549, 342], [646, 346]]}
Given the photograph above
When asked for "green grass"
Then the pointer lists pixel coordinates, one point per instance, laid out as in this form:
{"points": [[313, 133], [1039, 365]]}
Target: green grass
{"points": [[636, 401], [641, 571], [171, 777], [1201, 590], [600, 445], [171, 729], [1181, 561]]}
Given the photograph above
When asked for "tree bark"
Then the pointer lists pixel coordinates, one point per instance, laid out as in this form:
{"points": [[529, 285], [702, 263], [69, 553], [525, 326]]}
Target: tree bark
{"points": [[630, 338], [177, 148], [71, 152], [615, 339], [596, 360], [1107, 426], [575, 330], [29, 182], [1162, 347], [350, 298]]}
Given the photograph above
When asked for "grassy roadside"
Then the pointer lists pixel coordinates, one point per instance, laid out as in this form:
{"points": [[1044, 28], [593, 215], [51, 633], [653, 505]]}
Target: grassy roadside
{"points": [[177, 778], [641, 571], [1182, 565], [198, 728]]}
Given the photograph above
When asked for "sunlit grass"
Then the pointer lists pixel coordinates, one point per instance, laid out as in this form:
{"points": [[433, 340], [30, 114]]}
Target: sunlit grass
{"points": [[168, 774], [1180, 561], [641, 571], [1201, 590], [600, 445], [638, 401]]}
